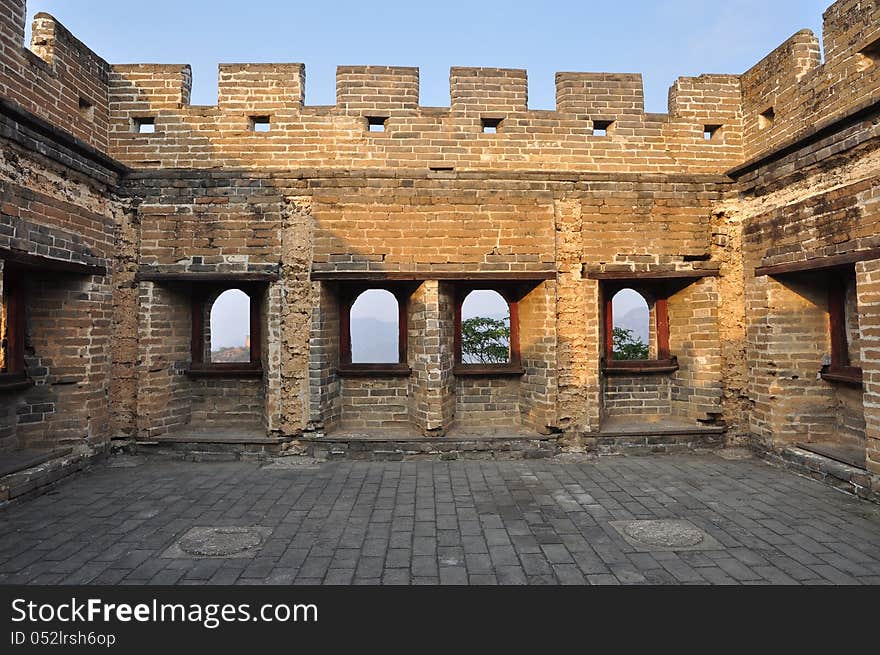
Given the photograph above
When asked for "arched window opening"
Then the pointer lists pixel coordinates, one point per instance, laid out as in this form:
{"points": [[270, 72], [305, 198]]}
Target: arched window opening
{"points": [[375, 328], [229, 329], [631, 325], [485, 328]]}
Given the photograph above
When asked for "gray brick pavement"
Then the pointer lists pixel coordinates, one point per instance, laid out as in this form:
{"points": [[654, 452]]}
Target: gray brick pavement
{"points": [[513, 522]]}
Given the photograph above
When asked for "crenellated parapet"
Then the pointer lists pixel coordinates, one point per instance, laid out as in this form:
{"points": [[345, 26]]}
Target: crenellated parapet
{"points": [[261, 121], [141, 113], [791, 91], [58, 79]]}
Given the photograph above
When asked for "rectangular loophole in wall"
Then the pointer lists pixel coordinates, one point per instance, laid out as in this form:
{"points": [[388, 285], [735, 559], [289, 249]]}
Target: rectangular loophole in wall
{"points": [[602, 127], [86, 109], [260, 123], [376, 123], [144, 125], [766, 118], [869, 56], [711, 131], [491, 125]]}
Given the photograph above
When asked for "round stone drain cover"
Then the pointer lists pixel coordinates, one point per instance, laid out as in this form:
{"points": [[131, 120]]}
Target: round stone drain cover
{"points": [[220, 542], [664, 534]]}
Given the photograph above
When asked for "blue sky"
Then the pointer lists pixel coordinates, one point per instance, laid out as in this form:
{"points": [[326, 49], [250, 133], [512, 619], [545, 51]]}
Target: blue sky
{"points": [[661, 39]]}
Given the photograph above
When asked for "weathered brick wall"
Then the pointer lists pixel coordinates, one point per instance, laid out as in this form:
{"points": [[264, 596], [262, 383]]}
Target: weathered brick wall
{"points": [[227, 403], [68, 335], [324, 384], [164, 398], [637, 395], [696, 387], [58, 207], [320, 193], [819, 201], [868, 284], [55, 77], [487, 403], [415, 136], [803, 91], [537, 340], [376, 403]]}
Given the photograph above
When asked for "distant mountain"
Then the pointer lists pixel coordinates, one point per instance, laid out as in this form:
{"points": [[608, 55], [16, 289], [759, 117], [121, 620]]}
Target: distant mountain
{"points": [[373, 341], [636, 321], [237, 354]]}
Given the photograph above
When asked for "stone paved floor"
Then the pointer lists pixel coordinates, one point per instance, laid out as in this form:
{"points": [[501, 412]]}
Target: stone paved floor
{"points": [[509, 522]]}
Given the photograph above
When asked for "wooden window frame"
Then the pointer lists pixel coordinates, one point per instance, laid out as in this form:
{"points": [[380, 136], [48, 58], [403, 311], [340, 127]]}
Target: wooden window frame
{"points": [[665, 361], [841, 368], [348, 294], [203, 298], [14, 375], [511, 295]]}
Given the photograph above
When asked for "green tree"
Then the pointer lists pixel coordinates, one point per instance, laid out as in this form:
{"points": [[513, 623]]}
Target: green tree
{"points": [[627, 345], [485, 340]]}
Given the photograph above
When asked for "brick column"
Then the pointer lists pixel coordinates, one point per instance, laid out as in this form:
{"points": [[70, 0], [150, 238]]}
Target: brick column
{"points": [[429, 359], [868, 298]]}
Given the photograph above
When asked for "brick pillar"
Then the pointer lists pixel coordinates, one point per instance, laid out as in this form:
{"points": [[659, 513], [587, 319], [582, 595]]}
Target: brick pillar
{"points": [[428, 355], [868, 298], [289, 320], [538, 349]]}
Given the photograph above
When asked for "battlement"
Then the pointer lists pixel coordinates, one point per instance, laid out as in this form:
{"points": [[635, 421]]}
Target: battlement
{"points": [[141, 113], [59, 79]]}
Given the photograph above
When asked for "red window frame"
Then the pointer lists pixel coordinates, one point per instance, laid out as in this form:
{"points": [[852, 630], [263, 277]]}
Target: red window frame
{"points": [[665, 362], [14, 325], [511, 295], [348, 294], [841, 368], [203, 298]]}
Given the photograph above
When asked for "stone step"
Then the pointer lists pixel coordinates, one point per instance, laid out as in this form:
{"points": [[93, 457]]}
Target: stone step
{"points": [[203, 448], [37, 478], [648, 440], [374, 448]]}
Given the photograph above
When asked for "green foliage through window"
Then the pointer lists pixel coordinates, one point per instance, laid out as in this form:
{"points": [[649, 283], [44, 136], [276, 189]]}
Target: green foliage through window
{"points": [[626, 345], [485, 340]]}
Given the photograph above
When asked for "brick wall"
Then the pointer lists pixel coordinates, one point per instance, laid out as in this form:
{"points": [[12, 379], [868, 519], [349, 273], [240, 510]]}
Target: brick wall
{"points": [[639, 395], [164, 401], [537, 386], [803, 91], [696, 387], [374, 404], [487, 404], [868, 285], [55, 76], [416, 136]]}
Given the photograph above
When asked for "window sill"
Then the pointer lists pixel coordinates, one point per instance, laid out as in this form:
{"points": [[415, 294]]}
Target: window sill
{"points": [[14, 383], [851, 375], [487, 370], [374, 370], [225, 371], [640, 366]]}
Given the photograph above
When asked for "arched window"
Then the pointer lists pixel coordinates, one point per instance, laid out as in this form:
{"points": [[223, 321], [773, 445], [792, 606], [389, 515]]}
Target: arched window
{"points": [[631, 325], [375, 328], [229, 328], [485, 328], [226, 328], [636, 327]]}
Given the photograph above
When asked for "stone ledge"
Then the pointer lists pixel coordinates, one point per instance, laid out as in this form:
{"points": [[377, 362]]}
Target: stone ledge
{"points": [[844, 477], [40, 478], [428, 448], [652, 441]]}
